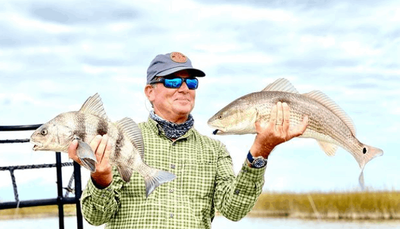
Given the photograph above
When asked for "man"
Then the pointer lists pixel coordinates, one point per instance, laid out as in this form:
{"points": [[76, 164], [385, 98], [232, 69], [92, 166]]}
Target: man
{"points": [[205, 180]]}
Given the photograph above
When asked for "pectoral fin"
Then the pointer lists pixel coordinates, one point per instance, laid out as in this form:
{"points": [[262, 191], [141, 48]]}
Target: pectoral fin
{"points": [[86, 155]]}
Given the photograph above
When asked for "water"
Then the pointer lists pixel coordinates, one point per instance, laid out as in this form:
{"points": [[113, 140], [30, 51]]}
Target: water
{"points": [[222, 223]]}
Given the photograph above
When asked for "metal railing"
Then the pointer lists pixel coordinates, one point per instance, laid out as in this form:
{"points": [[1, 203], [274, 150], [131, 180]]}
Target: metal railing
{"points": [[60, 200]]}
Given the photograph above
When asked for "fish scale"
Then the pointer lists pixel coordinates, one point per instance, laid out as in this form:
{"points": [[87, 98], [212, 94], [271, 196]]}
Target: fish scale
{"points": [[127, 152], [327, 122]]}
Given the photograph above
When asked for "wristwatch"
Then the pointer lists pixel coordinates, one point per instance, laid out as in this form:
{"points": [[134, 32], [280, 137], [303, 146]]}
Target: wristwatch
{"points": [[256, 162]]}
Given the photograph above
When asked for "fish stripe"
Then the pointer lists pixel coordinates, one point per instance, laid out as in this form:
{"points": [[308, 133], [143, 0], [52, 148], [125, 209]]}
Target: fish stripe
{"points": [[119, 143], [102, 127], [81, 126]]}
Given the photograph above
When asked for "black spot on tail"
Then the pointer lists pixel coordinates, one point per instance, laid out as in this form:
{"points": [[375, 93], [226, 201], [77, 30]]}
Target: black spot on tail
{"points": [[102, 127], [119, 143], [364, 150]]}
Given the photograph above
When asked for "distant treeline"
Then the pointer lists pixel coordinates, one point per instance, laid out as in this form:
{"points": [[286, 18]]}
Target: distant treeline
{"points": [[351, 205]]}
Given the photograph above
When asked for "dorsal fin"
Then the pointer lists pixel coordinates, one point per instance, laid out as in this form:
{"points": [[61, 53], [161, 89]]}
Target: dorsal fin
{"points": [[331, 105], [132, 130], [281, 84], [93, 105]]}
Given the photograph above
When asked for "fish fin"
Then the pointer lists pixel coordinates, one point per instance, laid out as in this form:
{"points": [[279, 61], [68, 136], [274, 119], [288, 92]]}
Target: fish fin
{"points": [[160, 177], [86, 155], [283, 85], [328, 148], [125, 172], [132, 130], [93, 105], [369, 152], [361, 179], [332, 106]]}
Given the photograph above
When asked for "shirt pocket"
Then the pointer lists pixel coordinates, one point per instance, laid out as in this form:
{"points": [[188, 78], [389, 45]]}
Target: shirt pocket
{"points": [[198, 178]]}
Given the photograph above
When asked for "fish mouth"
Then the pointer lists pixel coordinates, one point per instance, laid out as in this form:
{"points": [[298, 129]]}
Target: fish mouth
{"points": [[217, 131], [37, 146]]}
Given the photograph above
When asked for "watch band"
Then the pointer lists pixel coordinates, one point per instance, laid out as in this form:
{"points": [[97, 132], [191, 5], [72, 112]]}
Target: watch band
{"points": [[256, 162], [250, 158]]}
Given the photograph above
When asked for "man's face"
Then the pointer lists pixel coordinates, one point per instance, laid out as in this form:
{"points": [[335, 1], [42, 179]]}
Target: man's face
{"points": [[172, 104]]}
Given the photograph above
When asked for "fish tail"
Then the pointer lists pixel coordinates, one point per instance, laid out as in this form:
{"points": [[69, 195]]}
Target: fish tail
{"points": [[369, 153], [361, 179], [159, 177]]}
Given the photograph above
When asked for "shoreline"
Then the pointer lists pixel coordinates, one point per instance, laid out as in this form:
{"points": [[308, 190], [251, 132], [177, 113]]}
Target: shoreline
{"points": [[332, 216], [367, 205], [36, 212], [16, 214]]}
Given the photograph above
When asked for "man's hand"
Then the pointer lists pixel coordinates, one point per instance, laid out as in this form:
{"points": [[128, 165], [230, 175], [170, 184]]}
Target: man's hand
{"points": [[102, 149], [276, 131]]}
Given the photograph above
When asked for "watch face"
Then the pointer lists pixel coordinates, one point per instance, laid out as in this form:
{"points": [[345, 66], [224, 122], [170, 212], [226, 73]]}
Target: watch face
{"points": [[258, 163]]}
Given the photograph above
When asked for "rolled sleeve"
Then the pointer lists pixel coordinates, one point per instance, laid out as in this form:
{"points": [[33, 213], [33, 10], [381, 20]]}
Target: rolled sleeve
{"points": [[99, 205], [235, 196]]}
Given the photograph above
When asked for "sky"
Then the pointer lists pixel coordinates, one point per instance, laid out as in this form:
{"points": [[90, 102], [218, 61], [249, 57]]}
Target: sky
{"points": [[54, 55]]}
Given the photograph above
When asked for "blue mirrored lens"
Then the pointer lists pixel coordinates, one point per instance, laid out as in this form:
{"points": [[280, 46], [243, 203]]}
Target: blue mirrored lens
{"points": [[173, 83], [192, 83]]}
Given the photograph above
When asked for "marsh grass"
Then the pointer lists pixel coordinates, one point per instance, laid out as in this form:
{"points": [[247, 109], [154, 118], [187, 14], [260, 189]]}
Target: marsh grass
{"points": [[36, 212], [351, 205], [348, 205]]}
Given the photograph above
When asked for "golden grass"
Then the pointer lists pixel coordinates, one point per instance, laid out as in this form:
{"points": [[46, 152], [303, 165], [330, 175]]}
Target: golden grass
{"points": [[36, 212], [351, 205]]}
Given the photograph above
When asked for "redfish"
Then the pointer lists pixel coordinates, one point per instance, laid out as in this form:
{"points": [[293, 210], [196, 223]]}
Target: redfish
{"points": [[327, 122]]}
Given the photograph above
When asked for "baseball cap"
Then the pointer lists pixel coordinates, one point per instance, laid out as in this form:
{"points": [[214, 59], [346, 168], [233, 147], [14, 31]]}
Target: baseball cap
{"points": [[166, 64]]}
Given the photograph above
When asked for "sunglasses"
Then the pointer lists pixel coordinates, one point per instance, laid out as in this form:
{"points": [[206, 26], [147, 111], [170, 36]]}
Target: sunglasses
{"points": [[176, 82]]}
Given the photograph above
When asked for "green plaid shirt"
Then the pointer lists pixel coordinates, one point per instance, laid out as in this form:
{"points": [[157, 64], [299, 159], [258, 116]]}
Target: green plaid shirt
{"points": [[205, 182]]}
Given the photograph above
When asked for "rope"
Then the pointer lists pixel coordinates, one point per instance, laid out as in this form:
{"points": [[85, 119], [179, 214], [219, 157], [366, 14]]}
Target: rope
{"points": [[14, 141], [14, 183], [22, 167], [69, 188]]}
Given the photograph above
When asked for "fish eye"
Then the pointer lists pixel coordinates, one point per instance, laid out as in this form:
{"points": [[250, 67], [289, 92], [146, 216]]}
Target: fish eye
{"points": [[43, 132], [219, 117]]}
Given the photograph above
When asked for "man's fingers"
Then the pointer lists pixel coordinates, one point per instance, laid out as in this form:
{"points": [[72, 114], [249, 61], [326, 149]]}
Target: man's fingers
{"points": [[299, 129], [102, 147], [272, 119], [107, 153], [94, 144], [72, 151], [279, 115], [286, 115]]}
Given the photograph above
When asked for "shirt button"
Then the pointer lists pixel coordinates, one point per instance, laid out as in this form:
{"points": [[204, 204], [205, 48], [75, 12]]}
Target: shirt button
{"points": [[172, 166], [237, 191], [171, 190], [171, 215]]}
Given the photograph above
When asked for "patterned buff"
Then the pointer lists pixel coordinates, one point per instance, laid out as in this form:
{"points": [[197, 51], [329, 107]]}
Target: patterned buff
{"points": [[173, 130]]}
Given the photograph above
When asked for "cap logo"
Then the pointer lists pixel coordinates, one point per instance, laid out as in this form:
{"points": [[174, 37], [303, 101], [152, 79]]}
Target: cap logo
{"points": [[178, 57]]}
